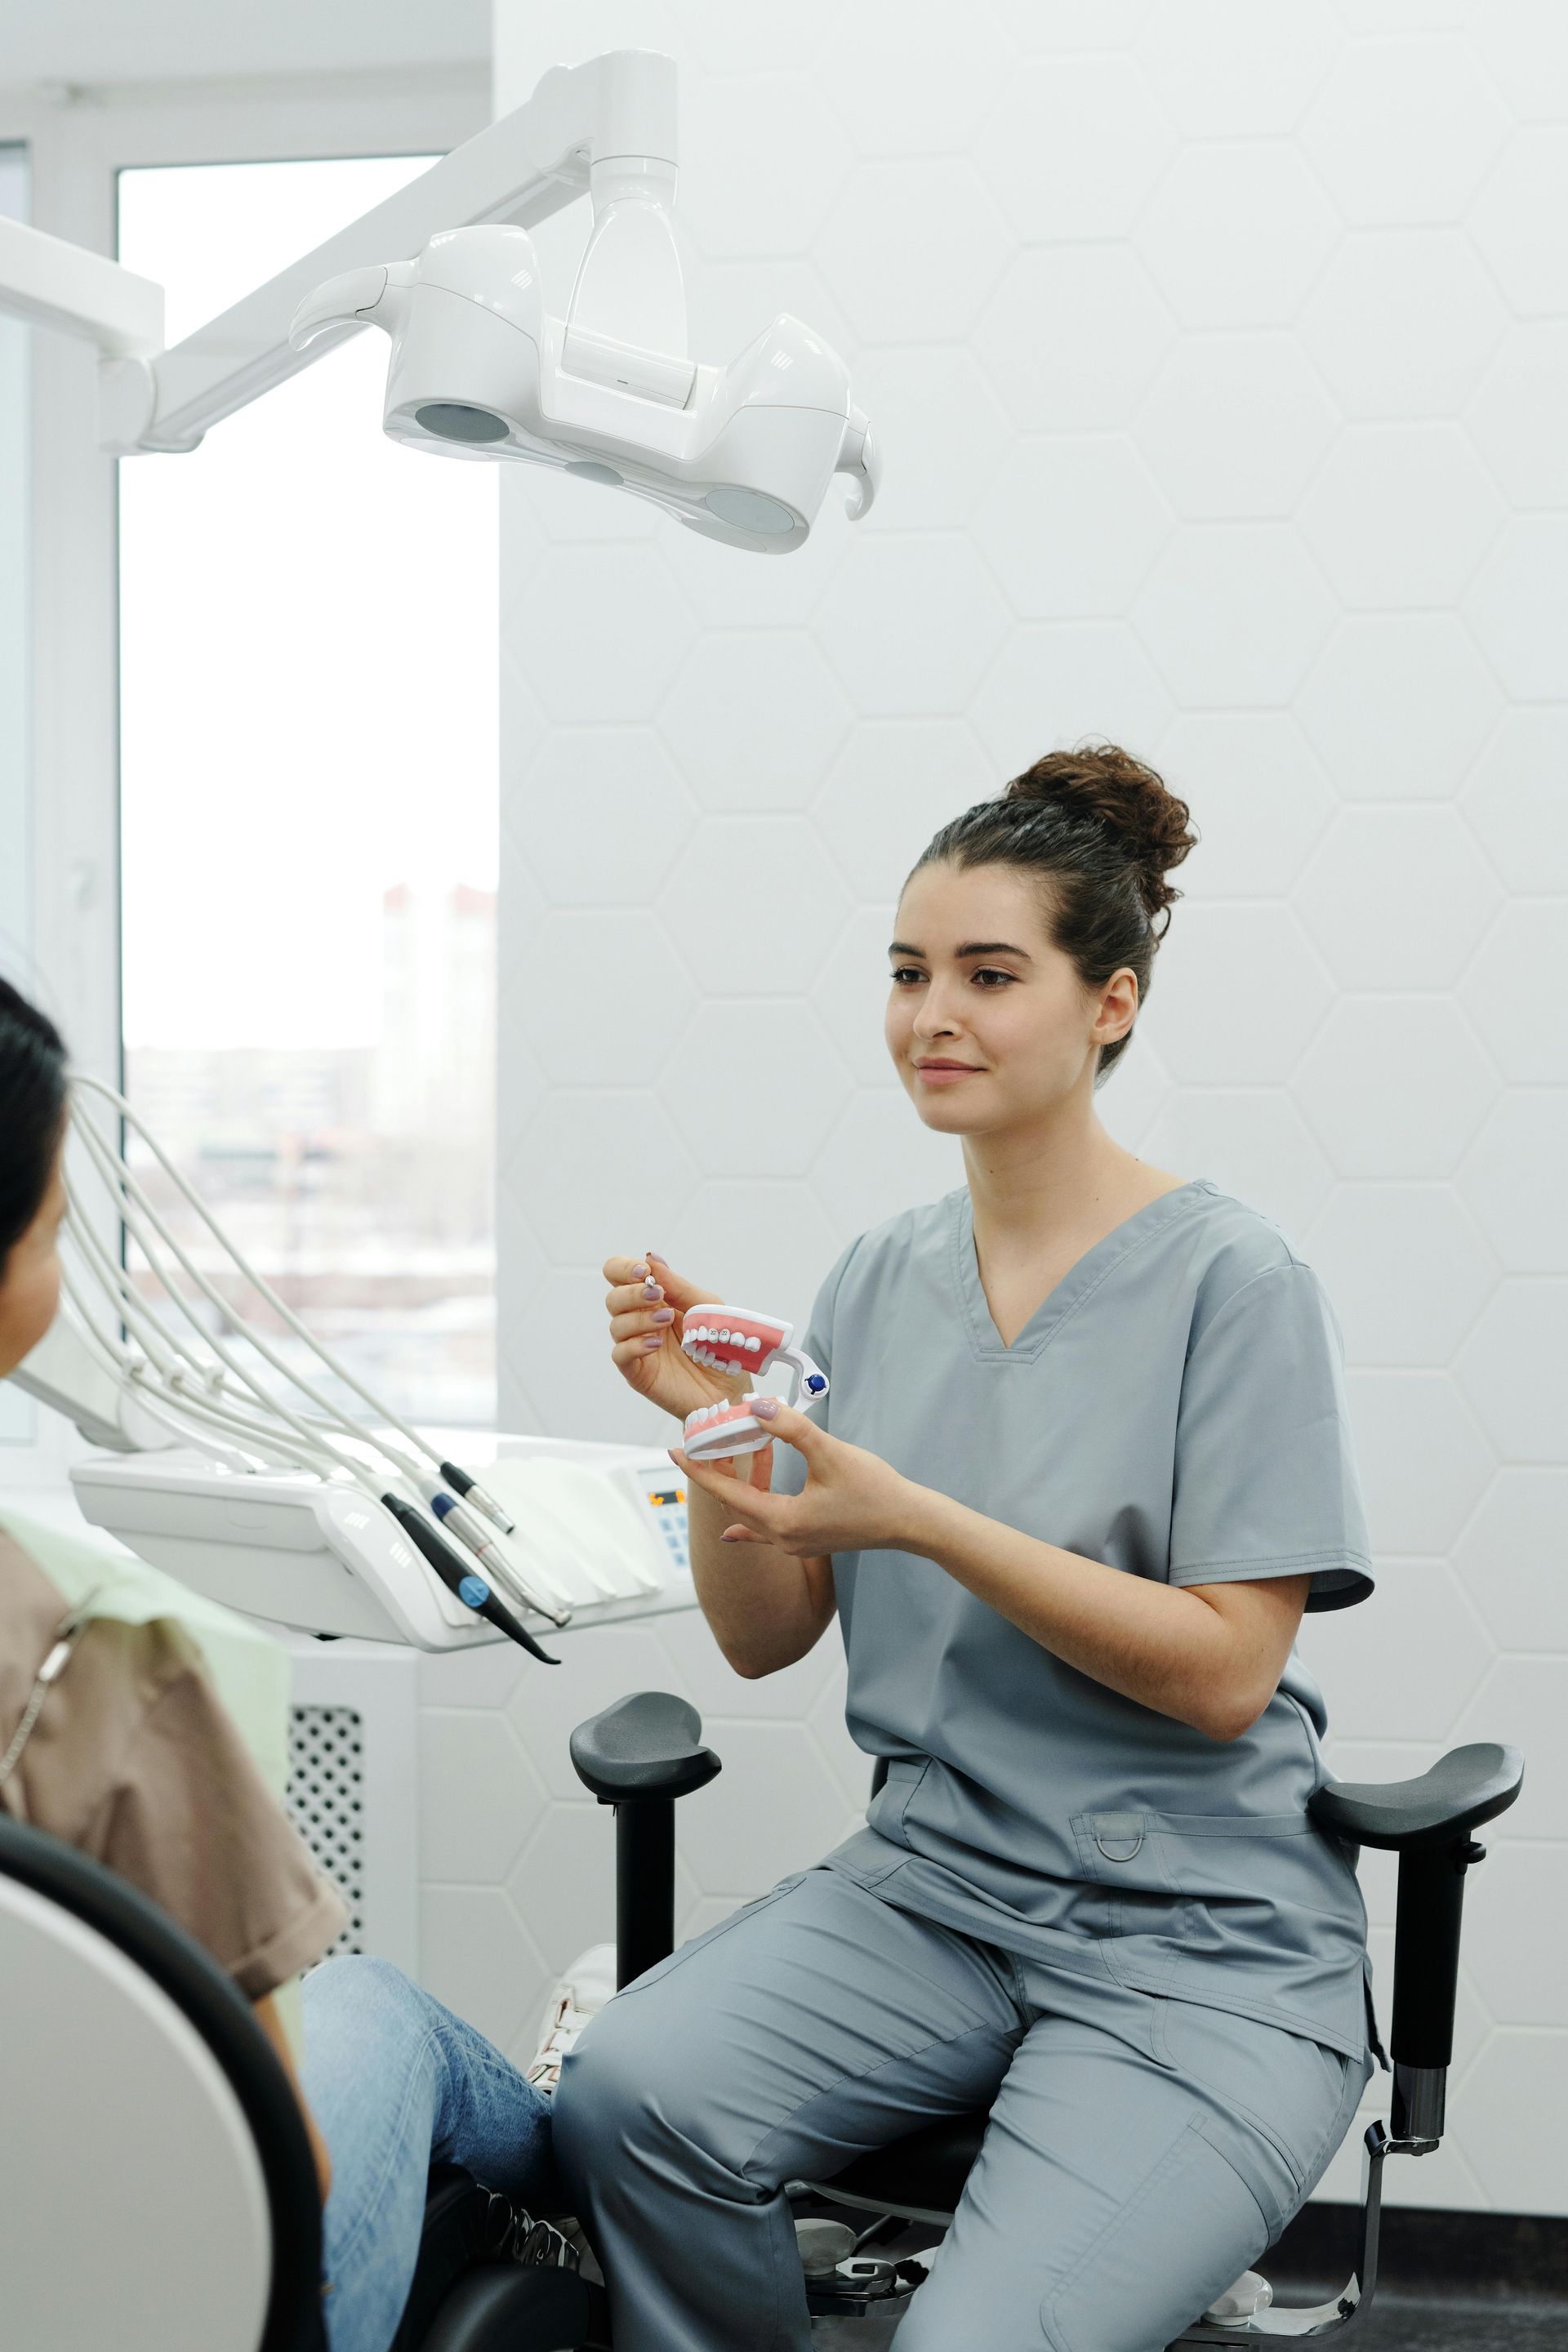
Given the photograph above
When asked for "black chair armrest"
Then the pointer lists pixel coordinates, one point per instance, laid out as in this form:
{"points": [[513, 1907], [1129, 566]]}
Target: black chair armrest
{"points": [[646, 1746], [1462, 1790]]}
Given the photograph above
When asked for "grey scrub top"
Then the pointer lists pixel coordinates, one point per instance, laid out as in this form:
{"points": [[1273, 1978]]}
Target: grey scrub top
{"points": [[1176, 1407]]}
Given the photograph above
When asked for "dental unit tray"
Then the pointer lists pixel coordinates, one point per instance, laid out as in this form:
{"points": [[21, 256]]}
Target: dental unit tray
{"points": [[229, 1458], [740, 1344], [600, 1531]]}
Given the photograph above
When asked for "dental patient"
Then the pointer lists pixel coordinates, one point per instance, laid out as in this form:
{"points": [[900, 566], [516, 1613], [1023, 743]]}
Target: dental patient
{"points": [[131, 1756]]}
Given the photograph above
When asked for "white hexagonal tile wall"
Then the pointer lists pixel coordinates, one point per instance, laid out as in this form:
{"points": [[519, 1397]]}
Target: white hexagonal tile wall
{"points": [[1516, 2089], [767, 592], [604, 1163], [1234, 613], [877, 1159], [572, 1005], [774, 1808], [1225, 68], [599, 1663], [1235, 425], [1523, 45], [1511, 1559], [763, 157], [760, 1085], [479, 1797], [850, 994], [1254, 1143], [1394, 1087], [937, 412], [605, 815], [895, 783], [602, 631], [911, 97], [1525, 1981], [1515, 414], [721, 1694], [754, 904], [748, 1238], [753, 719], [1396, 898], [913, 249], [1514, 604], [1404, 131], [1517, 222], [1257, 797], [910, 625], [1403, 321], [1514, 1368], [1516, 992], [1418, 1615], [1512, 1178], [1517, 800], [1071, 525], [1400, 514], [1406, 1268], [1240, 992], [1056, 684], [1073, 335], [1422, 1458], [1398, 705], [1075, 148], [476, 1955], [563, 1885], [1236, 235], [1520, 1701]]}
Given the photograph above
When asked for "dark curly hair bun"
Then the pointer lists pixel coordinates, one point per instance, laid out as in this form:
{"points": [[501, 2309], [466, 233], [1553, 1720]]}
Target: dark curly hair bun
{"points": [[1102, 781]]}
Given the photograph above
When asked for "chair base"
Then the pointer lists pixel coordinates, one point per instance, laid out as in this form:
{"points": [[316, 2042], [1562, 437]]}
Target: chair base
{"points": [[882, 2286]]}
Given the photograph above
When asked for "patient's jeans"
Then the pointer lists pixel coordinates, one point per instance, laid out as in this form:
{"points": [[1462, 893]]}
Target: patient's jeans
{"points": [[397, 2082]]}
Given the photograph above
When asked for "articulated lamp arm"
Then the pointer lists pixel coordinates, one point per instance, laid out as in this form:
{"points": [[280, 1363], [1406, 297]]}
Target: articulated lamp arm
{"points": [[617, 108]]}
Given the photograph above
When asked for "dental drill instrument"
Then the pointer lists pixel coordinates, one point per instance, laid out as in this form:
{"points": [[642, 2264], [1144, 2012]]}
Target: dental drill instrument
{"points": [[740, 1344], [173, 1380]]}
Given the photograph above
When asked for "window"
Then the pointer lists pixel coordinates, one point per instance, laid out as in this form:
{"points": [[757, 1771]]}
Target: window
{"points": [[17, 1421], [308, 811]]}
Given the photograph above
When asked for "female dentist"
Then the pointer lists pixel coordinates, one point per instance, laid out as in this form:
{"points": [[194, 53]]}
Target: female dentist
{"points": [[1085, 1462]]}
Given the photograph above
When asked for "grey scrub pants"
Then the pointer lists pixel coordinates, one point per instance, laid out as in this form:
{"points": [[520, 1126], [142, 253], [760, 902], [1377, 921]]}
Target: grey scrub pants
{"points": [[1141, 2153]]}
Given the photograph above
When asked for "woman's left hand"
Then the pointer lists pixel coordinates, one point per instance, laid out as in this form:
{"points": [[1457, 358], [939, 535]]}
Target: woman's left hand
{"points": [[852, 1500]]}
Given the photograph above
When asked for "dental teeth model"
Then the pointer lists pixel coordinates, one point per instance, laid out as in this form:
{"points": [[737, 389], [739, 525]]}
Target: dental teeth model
{"points": [[733, 1340]]}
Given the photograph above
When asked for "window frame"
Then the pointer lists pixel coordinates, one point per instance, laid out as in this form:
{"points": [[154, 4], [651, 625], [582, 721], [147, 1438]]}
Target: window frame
{"points": [[79, 142]]}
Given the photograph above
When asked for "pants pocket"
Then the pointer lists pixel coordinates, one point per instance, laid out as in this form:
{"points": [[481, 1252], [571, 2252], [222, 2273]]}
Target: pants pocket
{"points": [[1190, 2227]]}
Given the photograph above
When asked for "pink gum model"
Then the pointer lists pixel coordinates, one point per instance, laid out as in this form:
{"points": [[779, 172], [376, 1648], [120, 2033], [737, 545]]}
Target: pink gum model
{"points": [[733, 1340]]}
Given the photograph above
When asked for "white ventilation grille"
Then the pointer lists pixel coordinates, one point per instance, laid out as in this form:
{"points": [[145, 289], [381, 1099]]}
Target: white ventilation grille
{"points": [[326, 1800]]}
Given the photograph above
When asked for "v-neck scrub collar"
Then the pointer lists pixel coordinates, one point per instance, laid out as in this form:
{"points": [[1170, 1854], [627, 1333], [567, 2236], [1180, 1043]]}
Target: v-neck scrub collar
{"points": [[1076, 1286]]}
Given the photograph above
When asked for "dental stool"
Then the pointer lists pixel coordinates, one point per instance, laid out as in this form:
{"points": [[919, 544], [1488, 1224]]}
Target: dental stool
{"points": [[646, 1751], [157, 2189]]}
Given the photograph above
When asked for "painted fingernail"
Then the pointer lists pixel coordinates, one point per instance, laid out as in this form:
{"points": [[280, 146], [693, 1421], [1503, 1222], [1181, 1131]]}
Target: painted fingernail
{"points": [[638, 1272], [654, 1339], [664, 1315], [765, 1408], [652, 1290]]}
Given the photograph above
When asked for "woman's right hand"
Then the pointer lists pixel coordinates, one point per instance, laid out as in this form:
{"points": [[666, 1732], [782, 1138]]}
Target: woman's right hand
{"points": [[647, 1303]]}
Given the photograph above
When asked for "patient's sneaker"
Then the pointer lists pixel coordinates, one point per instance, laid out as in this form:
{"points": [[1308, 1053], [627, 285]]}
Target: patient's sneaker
{"points": [[578, 1996]]}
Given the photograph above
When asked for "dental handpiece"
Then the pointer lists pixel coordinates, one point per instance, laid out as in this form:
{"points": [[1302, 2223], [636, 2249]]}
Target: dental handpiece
{"points": [[734, 1341], [471, 1591], [460, 1521]]}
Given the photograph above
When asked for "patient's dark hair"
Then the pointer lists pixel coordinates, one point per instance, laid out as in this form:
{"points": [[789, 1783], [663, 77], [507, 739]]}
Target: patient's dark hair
{"points": [[1102, 830], [32, 1112]]}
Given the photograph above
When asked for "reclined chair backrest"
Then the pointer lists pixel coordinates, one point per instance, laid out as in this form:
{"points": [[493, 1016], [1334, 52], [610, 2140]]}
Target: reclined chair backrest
{"points": [[157, 2191]]}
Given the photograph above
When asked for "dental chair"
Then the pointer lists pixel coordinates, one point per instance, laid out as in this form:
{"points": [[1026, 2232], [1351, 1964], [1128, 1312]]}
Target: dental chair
{"points": [[646, 1751], [157, 2189]]}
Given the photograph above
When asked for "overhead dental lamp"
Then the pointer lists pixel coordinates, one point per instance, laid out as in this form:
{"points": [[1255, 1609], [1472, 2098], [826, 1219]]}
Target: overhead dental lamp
{"points": [[743, 454]]}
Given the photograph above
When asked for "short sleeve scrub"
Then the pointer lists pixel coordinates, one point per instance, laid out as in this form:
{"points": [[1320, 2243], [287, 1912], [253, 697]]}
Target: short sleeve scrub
{"points": [[1176, 1407]]}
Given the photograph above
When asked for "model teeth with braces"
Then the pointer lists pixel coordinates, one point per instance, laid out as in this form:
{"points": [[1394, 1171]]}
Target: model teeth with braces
{"points": [[733, 1340]]}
